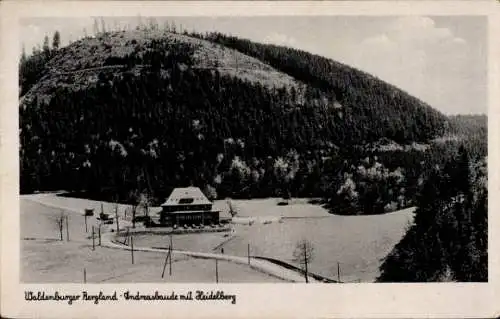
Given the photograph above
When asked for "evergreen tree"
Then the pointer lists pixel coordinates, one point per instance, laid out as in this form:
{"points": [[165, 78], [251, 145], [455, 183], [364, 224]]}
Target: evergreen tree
{"points": [[103, 25], [96, 27], [23, 56], [56, 41], [464, 173], [429, 200], [46, 47]]}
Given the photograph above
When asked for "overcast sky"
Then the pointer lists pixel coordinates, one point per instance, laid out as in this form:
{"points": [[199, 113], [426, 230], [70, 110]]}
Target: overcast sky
{"points": [[441, 60]]}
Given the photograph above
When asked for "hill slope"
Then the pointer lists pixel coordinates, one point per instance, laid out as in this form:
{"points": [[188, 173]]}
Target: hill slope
{"points": [[148, 110], [78, 64], [369, 99]]}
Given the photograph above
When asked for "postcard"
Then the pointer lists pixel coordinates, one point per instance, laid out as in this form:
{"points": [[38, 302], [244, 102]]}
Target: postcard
{"points": [[249, 159]]}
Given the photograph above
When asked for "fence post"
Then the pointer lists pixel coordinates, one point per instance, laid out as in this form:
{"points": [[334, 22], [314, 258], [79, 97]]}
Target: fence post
{"points": [[84, 275], [93, 238], [60, 223], [170, 262], [86, 229], [132, 248], [67, 229], [117, 222], [248, 253], [338, 272], [216, 271], [165, 264]]}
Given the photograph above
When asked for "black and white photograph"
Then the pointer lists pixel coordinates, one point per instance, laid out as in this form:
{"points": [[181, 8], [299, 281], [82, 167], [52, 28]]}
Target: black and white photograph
{"points": [[328, 150]]}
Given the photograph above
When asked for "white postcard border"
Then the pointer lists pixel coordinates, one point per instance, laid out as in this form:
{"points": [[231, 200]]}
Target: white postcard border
{"points": [[253, 300]]}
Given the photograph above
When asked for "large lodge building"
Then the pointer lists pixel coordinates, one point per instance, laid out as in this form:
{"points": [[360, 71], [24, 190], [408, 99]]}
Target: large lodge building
{"points": [[187, 206]]}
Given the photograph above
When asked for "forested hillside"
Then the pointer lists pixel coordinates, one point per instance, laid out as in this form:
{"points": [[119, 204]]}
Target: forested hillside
{"points": [[147, 110], [377, 108]]}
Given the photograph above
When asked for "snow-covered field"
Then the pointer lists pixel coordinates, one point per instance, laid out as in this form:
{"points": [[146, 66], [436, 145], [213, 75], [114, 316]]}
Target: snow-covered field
{"points": [[298, 207], [46, 259], [64, 262], [78, 205], [358, 243]]}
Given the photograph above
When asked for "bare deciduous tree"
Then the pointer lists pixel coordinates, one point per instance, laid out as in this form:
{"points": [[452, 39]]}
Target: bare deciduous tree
{"points": [[232, 209], [210, 192], [116, 216], [134, 198], [139, 201], [145, 202], [303, 254], [59, 221]]}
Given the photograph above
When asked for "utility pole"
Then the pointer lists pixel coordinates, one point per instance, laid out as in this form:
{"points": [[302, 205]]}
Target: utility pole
{"points": [[216, 271], [305, 262], [99, 234], [86, 229], [67, 229], [60, 223], [117, 222], [338, 272], [171, 252], [170, 262], [93, 238], [165, 264], [132, 248]]}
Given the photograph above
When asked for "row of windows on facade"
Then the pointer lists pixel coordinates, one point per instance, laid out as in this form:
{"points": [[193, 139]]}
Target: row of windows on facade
{"points": [[186, 207]]}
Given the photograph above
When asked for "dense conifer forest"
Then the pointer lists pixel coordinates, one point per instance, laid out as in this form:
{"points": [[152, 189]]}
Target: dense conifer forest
{"points": [[449, 239], [124, 113]]}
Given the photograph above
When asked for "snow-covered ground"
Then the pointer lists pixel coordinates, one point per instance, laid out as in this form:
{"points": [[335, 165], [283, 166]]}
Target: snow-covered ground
{"points": [[358, 243], [268, 208], [47, 259], [78, 205], [64, 262]]}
